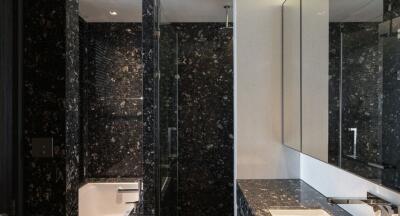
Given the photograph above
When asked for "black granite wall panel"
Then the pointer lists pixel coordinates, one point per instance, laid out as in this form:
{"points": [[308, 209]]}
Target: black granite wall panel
{"points": [[391, 113], [391, 97], [52, 106], [168, 104], [150, 134], [44, 110], [205, 185], [362, 91], [111, 92], [73, 150], [334, 91]]}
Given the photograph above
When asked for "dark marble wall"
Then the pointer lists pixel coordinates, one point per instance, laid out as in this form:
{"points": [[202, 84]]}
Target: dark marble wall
{"points": [[205, 123], [52, 106], [196, 107], [150, 117], [53, 102], [390, 45], [169, 88], [334, 94], [391, 112], [111, 93], [362, 89], [362, 93], [73, 157], [44, 111]]}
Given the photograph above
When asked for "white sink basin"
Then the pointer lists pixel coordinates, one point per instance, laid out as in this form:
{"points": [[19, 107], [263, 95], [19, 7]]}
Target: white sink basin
{"points": [[299, 212]]}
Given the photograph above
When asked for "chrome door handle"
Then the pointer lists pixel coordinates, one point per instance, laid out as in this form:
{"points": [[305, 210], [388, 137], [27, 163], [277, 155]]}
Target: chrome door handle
{"points": [[354, 130]]}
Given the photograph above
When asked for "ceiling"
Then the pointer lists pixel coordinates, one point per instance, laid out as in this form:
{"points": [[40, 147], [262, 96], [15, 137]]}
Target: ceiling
{"points": [[99, 10], [356, 10], [171, 10], [213, 10], [194, 10]]}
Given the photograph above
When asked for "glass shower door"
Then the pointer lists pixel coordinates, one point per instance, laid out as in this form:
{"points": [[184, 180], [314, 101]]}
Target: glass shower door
{"points": [[194, 96], [389, 33], [369, 100], [361, 99], [168, 120]]}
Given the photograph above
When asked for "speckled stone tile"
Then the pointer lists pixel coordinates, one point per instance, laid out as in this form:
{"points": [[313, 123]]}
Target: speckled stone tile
{"points": [[150, 134], [111, 99], [44, 113], [202, 85], [205, 119], [72, 121], [257, 197], [362, 91]]}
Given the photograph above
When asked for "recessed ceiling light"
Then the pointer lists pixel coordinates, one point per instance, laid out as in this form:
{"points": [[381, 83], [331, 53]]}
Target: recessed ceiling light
{"points": [[113, 13]]}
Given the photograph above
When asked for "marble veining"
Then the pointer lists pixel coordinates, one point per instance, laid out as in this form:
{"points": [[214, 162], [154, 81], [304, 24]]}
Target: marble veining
{"points": [[257, 197]]}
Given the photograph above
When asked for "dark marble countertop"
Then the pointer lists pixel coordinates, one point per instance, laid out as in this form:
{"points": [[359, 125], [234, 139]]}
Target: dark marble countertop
{"points": [[257, 197]]}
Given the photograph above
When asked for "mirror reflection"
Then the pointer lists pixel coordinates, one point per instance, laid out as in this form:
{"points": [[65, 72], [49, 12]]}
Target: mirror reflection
{"points": [[291, 73], [364, 86], [350, 86]]}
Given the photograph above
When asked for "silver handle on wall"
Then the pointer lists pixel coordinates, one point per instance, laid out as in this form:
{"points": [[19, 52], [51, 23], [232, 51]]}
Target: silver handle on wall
{"points": [[170, 134], [354, 130]]}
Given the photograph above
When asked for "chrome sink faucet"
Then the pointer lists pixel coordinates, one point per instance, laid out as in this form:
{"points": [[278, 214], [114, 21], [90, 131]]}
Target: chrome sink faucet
{"points": [[380, 206]]}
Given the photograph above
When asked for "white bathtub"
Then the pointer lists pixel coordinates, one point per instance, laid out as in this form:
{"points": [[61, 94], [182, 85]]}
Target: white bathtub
{"points": [[107, 199]]}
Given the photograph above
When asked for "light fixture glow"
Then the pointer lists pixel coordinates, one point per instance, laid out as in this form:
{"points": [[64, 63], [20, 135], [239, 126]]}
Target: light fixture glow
{"points": [[113, 13]]}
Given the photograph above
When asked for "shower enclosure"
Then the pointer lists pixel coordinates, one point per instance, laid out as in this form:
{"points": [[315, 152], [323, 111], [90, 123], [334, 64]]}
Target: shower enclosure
{"points": [[194, 97], [168, 102]]}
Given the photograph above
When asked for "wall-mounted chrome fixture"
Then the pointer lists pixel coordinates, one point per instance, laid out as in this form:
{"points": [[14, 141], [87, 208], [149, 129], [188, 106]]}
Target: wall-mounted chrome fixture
{"points": [[227, 10], [354, 130]]}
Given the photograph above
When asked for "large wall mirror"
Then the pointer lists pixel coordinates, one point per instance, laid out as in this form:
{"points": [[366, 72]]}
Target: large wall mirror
{"points": [[347, 80], [291, 73]]}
